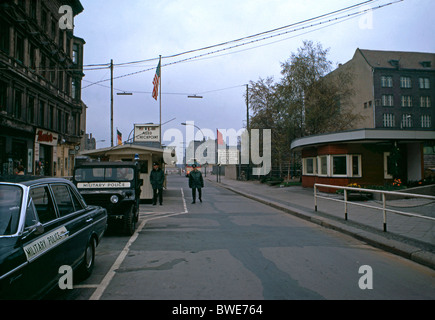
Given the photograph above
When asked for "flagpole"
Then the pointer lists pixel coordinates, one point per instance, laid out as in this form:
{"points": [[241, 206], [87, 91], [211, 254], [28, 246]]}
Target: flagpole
{"points": [[160, 98]]}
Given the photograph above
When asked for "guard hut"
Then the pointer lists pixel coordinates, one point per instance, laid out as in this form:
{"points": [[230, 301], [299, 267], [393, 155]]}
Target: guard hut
{"points": [[130, 152]]}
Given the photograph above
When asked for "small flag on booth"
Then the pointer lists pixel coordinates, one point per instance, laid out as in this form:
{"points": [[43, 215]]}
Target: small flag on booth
{"points": [[119, 134], [220, 139], [156, 82]]}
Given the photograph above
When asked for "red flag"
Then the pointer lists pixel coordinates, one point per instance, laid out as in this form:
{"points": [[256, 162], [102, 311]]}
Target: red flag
{"points": [[156, 82], [220, 138]]}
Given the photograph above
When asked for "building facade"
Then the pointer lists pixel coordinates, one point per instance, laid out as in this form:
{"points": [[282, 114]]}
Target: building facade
{"points": [[394, 92], [393, 89], [42, 117]]}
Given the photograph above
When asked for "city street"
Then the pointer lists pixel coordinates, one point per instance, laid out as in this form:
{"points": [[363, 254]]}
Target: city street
{"points": [[232, 248]]}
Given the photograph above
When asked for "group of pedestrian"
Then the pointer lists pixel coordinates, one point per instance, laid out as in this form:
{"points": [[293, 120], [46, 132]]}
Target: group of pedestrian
{"points": [[157, 179]]}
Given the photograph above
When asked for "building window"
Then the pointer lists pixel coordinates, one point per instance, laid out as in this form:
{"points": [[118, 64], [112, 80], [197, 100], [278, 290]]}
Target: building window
{"points": [[52, 71], [31, 110], [75, 89], [50, 117], [19, 54], [3, 96], [43, 66], [405, 82], [75, 54], [33, 10], [339, 165], [406, 101], [323, 165], [18, 104], [32, 56], [41, 114], [426, 121], [4, 37], [356, 166], [424, 83], [389, 120], [406, 121], [425, 102], [44, 20], [386, 82], [309, 166], [387, 100], [59, 120]]}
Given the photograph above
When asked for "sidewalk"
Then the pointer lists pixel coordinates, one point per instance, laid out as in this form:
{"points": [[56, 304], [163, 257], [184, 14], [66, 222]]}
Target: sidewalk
{"points": [[409, 237]]}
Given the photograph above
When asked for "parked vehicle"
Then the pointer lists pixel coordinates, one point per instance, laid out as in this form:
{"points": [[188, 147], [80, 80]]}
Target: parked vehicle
{"points": [[115, 186], [44, 224]]}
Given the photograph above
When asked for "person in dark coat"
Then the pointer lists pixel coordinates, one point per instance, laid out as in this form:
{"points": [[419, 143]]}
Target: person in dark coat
{"points": [[157, 177], [196, 182]]}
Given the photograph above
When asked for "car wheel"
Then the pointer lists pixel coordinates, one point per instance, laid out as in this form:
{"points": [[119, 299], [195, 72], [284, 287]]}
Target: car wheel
{"points": [[87, 266], [130, 221]]}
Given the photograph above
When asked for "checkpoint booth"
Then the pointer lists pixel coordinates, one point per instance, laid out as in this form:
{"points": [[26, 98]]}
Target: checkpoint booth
{"points": [[129, 152]]}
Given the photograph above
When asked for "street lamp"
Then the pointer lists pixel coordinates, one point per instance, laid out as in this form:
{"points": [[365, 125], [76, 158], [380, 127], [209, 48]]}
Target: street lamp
{"points": [[191, 124]]}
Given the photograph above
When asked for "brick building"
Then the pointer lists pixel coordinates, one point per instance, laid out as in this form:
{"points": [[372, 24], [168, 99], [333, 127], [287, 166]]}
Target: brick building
{"points": [[42, 117], [394, 92]]}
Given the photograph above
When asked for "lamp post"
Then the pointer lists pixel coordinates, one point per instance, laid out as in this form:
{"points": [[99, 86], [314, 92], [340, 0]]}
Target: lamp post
{"points": [[190, 124]]}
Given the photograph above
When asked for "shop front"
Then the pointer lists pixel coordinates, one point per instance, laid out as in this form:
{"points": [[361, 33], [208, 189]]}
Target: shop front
{"points": [[16, 152], [45, 153]]}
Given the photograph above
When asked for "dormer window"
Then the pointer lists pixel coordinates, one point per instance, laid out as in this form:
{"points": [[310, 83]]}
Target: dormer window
{"points": [[426, 64], [394, 63]]}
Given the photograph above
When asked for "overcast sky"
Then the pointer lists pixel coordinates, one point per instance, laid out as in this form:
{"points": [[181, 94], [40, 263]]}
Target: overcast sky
{"points": [[135, 30]]}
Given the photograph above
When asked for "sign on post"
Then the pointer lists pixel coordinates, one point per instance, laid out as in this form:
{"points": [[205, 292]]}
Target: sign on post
{"points": [[146, 133]]}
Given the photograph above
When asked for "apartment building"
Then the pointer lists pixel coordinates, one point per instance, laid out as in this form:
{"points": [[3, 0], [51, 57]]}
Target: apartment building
{"points": [[395, 93], [42, 116], [393, 89]]}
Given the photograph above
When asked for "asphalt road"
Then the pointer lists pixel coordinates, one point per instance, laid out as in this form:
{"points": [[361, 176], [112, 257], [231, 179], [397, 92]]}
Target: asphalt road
{"points": [[232, 248]]}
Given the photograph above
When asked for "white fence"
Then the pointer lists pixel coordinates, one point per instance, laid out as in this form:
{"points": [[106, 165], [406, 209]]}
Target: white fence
{"points": [[384, 200]]}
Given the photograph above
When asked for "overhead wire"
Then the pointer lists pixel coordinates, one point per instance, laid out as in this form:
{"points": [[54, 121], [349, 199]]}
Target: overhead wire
{"points": [[302, 27]]}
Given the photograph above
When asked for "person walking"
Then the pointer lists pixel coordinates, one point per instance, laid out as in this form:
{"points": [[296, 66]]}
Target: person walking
{"points": [[157, 177], [196, 182]]}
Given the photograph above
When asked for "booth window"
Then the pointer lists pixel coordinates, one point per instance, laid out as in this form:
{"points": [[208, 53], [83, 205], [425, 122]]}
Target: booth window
{"points": [[309, 166], [339, 167]]}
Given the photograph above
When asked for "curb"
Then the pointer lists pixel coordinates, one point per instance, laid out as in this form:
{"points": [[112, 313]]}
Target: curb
{"points": [[408, 251]]}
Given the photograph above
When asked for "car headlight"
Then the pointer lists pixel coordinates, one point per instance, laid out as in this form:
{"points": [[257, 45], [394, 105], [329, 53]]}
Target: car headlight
{"points": [[114, 199]]}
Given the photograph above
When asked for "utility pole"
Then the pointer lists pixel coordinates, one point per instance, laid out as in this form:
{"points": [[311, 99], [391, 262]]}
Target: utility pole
{"points": [[111, 102], [247, 108], [247, 129]]}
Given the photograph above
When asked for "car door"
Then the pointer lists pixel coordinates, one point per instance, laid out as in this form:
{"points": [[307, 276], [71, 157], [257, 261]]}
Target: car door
{"points": [[38, 248], [76, 220]]}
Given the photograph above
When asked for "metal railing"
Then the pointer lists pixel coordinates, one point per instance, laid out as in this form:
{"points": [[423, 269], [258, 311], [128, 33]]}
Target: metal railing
{"points": [[372, 191]]}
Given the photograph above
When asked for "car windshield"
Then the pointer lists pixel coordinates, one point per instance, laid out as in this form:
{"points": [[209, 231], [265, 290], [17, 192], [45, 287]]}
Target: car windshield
{"points": [[104, 174], [10, 206]]}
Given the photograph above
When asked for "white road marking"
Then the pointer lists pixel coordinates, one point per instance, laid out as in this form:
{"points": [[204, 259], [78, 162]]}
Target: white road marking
{"points": [[111, 273]]}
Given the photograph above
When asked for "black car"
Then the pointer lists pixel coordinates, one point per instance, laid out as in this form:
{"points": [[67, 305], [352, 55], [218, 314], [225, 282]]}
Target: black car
{"points": [[44, 225], [115, 186]]}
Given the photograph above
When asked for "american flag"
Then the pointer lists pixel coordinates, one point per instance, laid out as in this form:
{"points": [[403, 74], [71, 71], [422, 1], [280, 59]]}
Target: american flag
{"points": [[156, 82]]}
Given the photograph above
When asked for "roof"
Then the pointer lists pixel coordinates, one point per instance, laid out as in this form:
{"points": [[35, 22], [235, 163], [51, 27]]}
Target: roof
{"points": [[107, 164], [406, 60], [363, 136], [121, 149], [29, 180]]}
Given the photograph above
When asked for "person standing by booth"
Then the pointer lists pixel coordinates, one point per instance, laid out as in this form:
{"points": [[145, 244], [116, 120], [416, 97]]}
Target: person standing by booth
{"points": [[196, 182], [157, 177]]}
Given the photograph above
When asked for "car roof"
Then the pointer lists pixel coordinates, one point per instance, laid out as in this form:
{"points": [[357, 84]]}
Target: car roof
{"points": [[29, 180], [107, 164]]}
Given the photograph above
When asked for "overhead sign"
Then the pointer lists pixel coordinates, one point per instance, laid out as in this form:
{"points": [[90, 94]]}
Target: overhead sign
{"points": [[146, 133]]}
